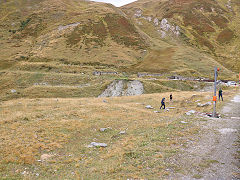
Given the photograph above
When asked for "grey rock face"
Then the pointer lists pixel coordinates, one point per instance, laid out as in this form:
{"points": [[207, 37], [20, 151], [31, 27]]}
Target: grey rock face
{"points": [[123, 88]]}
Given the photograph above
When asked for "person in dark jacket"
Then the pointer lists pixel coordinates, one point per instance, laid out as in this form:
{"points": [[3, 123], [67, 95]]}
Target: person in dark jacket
{"points": [[220, 94], [163, 103]]}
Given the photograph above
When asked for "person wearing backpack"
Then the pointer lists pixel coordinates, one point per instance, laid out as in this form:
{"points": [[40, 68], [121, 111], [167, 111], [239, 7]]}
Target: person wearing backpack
{"points": [[163, 103], [220, 94]]}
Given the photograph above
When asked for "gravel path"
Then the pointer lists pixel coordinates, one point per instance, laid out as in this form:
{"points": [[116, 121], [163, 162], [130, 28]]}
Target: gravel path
{"points": [[214, 156]]}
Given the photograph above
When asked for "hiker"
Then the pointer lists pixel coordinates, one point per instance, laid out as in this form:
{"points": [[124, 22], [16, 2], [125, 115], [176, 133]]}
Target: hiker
{"points": [[170, 97], [220, 94], [163, 103]]}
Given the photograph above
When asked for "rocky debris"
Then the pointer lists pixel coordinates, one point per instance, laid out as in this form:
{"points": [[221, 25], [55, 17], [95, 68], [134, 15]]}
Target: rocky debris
{"points": [[189, 113], [94, 144], [123, 88], [100, 73], [227, 130], [183, 122], [163, 26], [105, 129], [40, 84], [122, 132], [167, 27], [156, 22], [138, 13], [61, 28], [148, 107], [13, 91], [156, 111], [229, 5], [204, 105]]}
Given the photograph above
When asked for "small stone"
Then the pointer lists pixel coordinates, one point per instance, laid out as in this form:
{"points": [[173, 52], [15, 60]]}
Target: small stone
{"points": [[183, 122], [94, 144], [189, 113], [149, 107], [13, 91], [122, 132], [156, 111], [204, 105], [103, 129]]}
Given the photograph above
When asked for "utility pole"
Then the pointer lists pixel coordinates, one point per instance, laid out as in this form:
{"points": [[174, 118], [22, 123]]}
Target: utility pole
{"points": [[215, 91]]}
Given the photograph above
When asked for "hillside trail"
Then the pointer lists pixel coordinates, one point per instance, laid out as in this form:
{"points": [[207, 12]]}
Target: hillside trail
{"points": [[215, 154]]}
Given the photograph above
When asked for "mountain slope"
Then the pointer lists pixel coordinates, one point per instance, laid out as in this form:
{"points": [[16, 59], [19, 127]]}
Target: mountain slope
{"points": [[211, 26], [51, 48]]}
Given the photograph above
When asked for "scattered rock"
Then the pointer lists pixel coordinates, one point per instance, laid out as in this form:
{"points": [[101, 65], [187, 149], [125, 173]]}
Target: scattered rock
{"points": [[105, 101], [13, 91], [156, 111], [149, 107], [204, 105], [189, 113], [183, 122], [61, 28], [104, 129], [94, 144], [122, 132]]}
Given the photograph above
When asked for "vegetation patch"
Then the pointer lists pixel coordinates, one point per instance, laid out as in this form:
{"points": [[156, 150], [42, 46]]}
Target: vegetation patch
{"points": [[122, 31], [225, 36]]}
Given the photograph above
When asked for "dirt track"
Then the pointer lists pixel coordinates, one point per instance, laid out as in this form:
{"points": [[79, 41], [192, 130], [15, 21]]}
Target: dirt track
{"points": [[214, 155]]}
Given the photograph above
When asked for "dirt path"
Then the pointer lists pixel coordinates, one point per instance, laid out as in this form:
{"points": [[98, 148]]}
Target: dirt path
{"points": [[214, 156]]}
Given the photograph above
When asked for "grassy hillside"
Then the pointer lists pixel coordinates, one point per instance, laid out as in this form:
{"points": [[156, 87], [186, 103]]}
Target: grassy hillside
{"points": [[50, 48], [212, 27]]}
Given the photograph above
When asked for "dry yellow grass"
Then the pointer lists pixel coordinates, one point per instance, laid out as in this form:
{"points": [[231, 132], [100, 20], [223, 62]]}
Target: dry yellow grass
{"points": [[61, 129]]}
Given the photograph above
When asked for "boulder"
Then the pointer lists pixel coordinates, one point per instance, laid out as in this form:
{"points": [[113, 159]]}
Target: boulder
{"points": [[204, 105], [94, 144], [149, 107]]}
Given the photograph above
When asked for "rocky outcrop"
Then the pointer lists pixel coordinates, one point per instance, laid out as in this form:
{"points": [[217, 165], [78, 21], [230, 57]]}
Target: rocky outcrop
{"points": [[123, 88]]}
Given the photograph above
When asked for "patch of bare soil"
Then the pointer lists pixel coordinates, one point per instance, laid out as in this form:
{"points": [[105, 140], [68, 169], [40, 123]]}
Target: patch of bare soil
{"points": [[214, 155]]}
